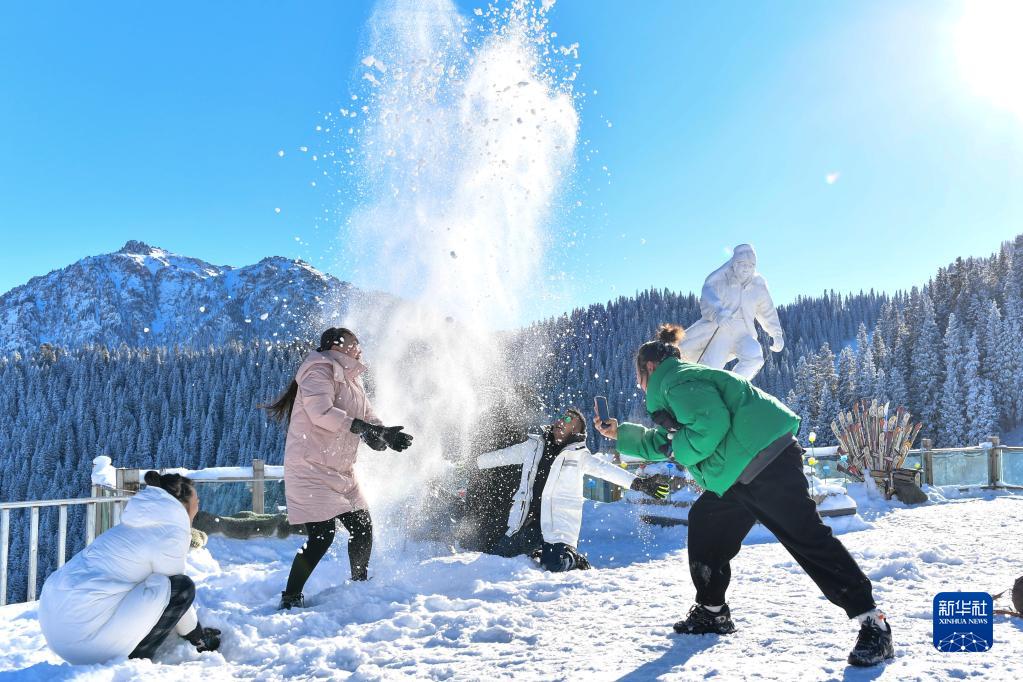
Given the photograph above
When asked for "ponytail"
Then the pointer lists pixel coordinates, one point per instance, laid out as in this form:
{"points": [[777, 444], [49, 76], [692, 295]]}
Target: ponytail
{"points": [[280, 409], [663, 347]]}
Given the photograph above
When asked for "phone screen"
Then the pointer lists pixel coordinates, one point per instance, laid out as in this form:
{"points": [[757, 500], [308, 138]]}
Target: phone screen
{"points": [[601, 403]]}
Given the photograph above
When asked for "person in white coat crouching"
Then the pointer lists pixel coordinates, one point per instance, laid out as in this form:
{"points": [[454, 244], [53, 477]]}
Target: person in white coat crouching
{"points": [[123, 594], [547, 509]]}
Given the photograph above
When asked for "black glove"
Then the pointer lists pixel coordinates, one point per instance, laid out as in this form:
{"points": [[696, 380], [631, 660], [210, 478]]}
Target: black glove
{"points": [[393, 436], [204, 639], [374, 441], [650, 486], [666, 420]]}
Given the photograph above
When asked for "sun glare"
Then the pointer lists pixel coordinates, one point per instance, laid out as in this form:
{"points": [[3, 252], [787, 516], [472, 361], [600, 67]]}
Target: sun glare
{"points": [[990, 50]]}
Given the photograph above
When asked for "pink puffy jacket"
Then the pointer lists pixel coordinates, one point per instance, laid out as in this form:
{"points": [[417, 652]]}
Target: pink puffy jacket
{"points": [[320, 451]]}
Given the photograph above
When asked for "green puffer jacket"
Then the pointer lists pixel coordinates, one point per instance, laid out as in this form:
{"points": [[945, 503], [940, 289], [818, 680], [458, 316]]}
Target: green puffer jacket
{"points": [[725, 421]]}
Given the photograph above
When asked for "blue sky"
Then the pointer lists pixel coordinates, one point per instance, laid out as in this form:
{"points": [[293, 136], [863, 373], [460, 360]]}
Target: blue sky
{"points": [[162, 122]]}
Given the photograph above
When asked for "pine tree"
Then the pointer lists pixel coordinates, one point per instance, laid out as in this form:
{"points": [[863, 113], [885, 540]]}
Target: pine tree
{"points": [[953, 424], [866, 371], [925, 368], [846, 393]]}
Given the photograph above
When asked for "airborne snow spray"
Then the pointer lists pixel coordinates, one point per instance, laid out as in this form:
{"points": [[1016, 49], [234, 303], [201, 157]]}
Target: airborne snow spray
{"points": [[463, 138]]}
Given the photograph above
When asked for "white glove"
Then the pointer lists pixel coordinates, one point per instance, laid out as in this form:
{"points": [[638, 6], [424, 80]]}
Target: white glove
{"points": [[777, 343]]}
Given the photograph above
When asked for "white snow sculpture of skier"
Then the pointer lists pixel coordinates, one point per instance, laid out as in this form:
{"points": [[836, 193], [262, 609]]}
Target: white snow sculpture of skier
{"points": [[734, 297]]}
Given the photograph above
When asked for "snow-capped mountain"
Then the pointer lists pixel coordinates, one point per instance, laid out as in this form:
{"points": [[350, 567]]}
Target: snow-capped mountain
{"points": [[146, 296]]}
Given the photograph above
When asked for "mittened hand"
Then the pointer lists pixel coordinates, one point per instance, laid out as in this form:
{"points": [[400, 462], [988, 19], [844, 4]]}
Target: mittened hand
{"points": [[373, 434], [396, 439], [666, 420], [650, 486], [204, 639]]}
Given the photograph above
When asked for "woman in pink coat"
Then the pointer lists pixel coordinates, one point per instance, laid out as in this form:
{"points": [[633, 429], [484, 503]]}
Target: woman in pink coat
{"points": [[329, 415]]}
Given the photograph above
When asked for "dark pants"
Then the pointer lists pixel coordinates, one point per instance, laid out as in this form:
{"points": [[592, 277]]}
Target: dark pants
{"points": [[555, 557], [321, 535], [182, 595], [778, 498], [527, 540]]}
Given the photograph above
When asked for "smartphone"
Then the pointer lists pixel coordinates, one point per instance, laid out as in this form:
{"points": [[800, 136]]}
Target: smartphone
{"points": [[601, 404]]}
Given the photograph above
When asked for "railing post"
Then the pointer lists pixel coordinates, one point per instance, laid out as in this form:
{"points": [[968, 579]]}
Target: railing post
{"points": [[928, 461], [115, 512], [5, 531], [33, 552], [61, 535], [994, 462], [131, 481], [257, 486], [90, 521]]}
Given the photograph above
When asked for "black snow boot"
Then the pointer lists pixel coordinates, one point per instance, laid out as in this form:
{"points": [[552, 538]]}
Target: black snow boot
{"points": [[289, 601], [873, 645], [701, 621]]}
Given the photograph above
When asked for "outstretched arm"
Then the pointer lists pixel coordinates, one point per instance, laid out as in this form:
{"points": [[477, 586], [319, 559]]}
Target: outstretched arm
{"points": [[598, 468], [514, 454]]}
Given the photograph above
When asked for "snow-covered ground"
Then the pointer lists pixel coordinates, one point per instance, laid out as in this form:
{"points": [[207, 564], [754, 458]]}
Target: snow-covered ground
{"points": [[431, 614]]}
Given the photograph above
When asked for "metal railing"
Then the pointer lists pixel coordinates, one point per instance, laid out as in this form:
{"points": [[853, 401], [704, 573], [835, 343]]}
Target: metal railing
{"points": [[103, 512], [981, 466], [33, 534], [130, 479]]}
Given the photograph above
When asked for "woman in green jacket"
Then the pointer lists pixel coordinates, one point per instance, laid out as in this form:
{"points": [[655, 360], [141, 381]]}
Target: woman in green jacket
{"points": [[739, 444]]}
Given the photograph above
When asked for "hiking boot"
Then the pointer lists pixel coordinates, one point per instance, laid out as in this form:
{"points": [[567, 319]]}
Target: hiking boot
{"points": [[701, 621], [289, 601], [874, 643]]}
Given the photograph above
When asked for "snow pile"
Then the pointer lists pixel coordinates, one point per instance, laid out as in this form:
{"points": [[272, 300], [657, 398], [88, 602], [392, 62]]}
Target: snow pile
{"points": [[432, 614], [103, 472]]}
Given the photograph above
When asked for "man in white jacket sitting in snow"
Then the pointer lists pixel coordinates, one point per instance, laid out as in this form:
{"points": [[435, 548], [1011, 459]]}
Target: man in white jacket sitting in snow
{"points": [[546, 510]]}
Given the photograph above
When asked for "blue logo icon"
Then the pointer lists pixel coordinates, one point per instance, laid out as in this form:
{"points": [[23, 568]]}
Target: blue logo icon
{"points": [[963, 621]]}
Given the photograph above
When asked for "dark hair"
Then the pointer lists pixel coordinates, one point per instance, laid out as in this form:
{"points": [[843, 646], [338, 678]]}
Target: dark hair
{"points": [[335, 336], [665, 346], [280, 409], [179, 487], [582, 420]]}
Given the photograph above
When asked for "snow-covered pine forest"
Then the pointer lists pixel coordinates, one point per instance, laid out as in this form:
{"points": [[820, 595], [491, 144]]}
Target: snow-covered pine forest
{"points": [[952, 351]]}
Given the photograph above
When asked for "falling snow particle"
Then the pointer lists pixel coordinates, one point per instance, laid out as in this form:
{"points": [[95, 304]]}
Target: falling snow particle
{"points": [[264, 316], [454, 255], [202, 309], [280, 152], [277, 210]]}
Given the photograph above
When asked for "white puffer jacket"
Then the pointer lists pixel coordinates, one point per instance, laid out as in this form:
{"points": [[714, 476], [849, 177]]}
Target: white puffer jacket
{"points": [[561, 507], [104, 601]]}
